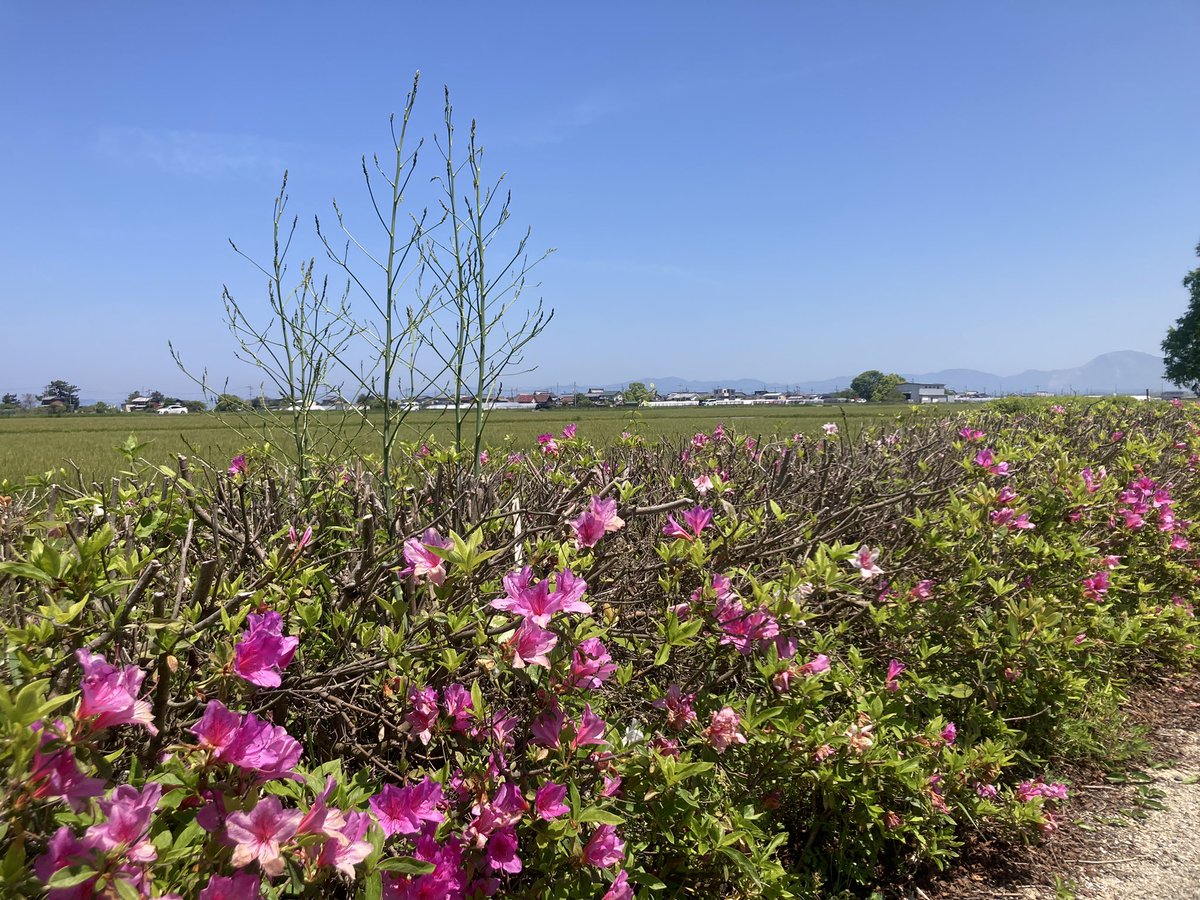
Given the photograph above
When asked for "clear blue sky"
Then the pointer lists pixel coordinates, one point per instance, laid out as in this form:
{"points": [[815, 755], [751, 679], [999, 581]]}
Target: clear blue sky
{"points": [[784, 190]]}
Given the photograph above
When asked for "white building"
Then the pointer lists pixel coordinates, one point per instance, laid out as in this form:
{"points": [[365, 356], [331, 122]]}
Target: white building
{"points": [[923, 393]]}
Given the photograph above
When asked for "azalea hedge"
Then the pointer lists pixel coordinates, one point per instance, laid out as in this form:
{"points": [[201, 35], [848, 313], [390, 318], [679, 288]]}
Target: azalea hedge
{"points": [[739, 667]]}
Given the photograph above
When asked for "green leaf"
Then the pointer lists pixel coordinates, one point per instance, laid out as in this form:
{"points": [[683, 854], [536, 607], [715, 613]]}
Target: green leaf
{"points": [[602, 816], [406, 865], [65, 878]]}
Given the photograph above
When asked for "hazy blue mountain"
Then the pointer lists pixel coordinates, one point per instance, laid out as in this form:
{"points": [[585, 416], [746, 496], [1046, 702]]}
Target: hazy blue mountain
{"points": [[1123, 371]]}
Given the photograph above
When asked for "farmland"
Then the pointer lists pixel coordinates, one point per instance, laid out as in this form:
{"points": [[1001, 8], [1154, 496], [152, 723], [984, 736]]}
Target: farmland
{"points": [[36, 444]]}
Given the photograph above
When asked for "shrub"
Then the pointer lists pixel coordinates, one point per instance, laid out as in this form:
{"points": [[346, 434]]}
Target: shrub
{"points": [[780, 669]]}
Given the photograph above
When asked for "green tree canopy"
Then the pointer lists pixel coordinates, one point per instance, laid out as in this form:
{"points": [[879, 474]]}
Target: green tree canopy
{"points": [[873, 385], [64, 392], [637, 392], [1181, 347], [229, 403]]}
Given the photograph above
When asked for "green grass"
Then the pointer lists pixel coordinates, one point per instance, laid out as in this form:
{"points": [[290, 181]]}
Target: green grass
{"points": [[36, 444]]}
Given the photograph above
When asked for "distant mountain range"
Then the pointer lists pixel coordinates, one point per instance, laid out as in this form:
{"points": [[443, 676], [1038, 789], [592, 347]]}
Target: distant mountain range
{"points": [[1121, 372]]}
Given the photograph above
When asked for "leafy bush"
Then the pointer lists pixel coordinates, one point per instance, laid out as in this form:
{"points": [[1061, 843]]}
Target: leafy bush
{"points": [[786, 669]]}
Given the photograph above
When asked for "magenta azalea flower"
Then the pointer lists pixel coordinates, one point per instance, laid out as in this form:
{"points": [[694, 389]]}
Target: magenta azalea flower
{"points": [[404, 810], [299, 543], [722, 732], [258, 834], [599, 519], [604, 849], [422, 713], [678, 706], [696, 519], [531, 644], [986, 460], [347, 846], [263, 652], [536, 602], [458, 704], [501, 852], [895, 667], [237, 465], [569, 431], [949, 733], [128, 812], [591, 665], [57, 774], [971, 434], [549, 800], [590, 730], [238, 886], [819, 664], [547, 727], [110, 694], [249, 743], [620, 889], [422, 561]]}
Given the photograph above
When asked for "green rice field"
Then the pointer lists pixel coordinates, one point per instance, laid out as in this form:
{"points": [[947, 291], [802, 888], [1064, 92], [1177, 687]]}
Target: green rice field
{"points": [[37, 444]]}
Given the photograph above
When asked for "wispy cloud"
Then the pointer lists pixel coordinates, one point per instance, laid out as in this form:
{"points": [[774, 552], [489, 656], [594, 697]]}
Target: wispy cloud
{"points": [[557, 125], [197, 153]]}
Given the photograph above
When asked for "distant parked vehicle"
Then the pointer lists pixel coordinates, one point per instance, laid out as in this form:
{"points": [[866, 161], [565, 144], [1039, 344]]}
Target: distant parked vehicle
{"points": [[175, 409]]}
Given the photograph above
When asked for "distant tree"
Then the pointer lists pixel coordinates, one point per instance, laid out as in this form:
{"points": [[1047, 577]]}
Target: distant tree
{"points": [[63, 392], [10, 400], [637, 393], [157, 399], [873, 385], [582, 400], [886, 390], [229, 403], [100, 408], [28, 401], [194, 405], [1181, 347]]}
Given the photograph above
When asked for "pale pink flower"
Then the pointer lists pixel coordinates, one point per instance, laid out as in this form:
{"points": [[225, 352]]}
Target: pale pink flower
{"points": [[923, 589], [859, 737], [865, 559], [823, 753], [347, 846], [422, 713], [604, 849], [723, 732], [703, 484], [819, 664], [259, 834], [830, 428], [986, 791], [109, 695]]}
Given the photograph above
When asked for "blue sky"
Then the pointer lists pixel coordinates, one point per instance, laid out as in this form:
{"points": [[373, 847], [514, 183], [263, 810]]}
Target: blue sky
{"points": [[781, 190]]}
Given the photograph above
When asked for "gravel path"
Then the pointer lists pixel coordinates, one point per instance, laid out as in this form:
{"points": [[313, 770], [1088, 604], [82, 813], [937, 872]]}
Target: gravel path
{"points": [[1158, 856]]}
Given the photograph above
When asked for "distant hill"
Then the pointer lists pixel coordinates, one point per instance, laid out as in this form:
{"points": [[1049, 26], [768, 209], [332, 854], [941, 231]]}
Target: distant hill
{"points": [[1122, 372]]}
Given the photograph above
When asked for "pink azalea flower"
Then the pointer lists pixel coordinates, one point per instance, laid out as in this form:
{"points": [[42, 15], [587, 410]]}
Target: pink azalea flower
{"points": [[895, 667], [986, 791], [599, 519], [569, 431], [110, 694], [259, 834], [549, 800], [1096, 586], [502, 851], [531, 644], [422, 561], [971, 434], [238, 886], [604, 849], [63, 851], [128, 812], [589, 731], [949, 733], [547, 727], [57, 774], [591, 665], [723, 732], [237, 465], [548, 444], [823, 753], [703, 484], [678, 706], [620, 889], [696, 519], [536, 602], [249, 743], [830, 428], [1005, 495], [859, 736], [458, 705], [612, 786], [263, 652], [404, 810], [986, 460], [923, 590], [819, 664], [1179, 542], [299, 543], [422, 713], [866, 562]]}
